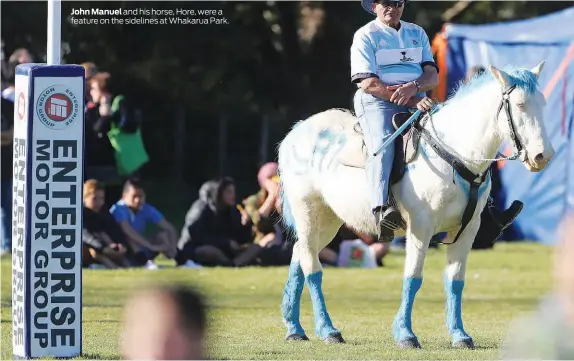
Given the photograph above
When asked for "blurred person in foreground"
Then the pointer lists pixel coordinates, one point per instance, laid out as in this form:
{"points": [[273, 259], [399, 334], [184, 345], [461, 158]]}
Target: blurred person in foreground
{"points": [[165, 323], [133, 213], [548, 333], [215, 232], [103, 240]]}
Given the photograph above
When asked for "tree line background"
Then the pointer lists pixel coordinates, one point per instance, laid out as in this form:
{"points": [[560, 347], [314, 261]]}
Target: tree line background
{"points": [[216, 99]]}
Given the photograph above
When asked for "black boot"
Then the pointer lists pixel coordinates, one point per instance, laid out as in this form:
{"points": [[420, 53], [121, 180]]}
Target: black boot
{"points": [[505, 218], [493, 223], [389, 220]]}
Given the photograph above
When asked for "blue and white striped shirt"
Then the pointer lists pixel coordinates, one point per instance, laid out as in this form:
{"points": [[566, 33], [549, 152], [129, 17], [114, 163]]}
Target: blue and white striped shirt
{"points": [[395, 57]]}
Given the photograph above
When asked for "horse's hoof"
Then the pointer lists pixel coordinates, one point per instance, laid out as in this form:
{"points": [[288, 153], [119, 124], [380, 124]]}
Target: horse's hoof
{"points": [[464, 343], [409, 343], [336, 338], [297, 337]]}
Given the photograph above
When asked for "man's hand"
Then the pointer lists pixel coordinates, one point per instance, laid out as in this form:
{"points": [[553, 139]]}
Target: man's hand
{"points": [[402, 93], [426, 104]]}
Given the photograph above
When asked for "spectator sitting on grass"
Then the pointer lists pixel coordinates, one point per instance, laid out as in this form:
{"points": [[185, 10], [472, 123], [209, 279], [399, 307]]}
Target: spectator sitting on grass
{"points": [[133, 214], [262, 207], [216, 233], [103, 241], [334, 255]]}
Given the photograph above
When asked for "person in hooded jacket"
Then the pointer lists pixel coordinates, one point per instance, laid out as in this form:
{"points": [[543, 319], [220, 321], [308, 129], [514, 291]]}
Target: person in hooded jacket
{"points": [[215, 232]]}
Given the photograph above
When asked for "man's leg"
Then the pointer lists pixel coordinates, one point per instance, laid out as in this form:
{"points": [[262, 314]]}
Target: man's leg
{"points": [[375, 118]]}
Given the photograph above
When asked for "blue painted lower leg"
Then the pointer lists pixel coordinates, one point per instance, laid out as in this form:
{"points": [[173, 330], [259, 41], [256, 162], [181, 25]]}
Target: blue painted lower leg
{"points": [[402, 329], [291, 304], [323, 325], [453, 289]]}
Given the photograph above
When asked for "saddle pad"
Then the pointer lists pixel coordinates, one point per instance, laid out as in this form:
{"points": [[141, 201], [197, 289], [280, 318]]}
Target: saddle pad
{"points": [[354, 154]]}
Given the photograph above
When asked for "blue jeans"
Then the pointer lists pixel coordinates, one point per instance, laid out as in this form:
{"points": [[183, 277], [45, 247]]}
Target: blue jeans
{"points": [[375, 117], [6, 208]]}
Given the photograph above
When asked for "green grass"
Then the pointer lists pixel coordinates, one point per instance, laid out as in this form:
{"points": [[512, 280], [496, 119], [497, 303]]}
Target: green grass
{"points": [[245, 321]]}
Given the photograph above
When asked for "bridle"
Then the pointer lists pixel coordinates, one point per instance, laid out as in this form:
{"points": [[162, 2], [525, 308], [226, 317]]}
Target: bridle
{"points": [[505, 102], [520, 153]]}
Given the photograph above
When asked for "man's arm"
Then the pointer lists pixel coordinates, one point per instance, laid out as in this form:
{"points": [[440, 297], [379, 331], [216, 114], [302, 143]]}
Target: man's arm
{"points": [[375, 87], [155, 216], [121, 215], [429, 79], [135, 236], [168, 227], [364, 67]]}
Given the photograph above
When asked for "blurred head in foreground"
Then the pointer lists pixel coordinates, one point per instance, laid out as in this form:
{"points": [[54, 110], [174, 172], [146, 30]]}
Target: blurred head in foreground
{"points": [[164, 323], [564, 268], [547, 332]]}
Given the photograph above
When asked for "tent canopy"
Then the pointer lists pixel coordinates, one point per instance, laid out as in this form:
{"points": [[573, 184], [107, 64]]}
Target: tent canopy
{"points": [[549, 194], [547, 29]]}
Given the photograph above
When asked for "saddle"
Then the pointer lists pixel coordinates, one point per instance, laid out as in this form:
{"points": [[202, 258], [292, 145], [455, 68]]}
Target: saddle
{"points": [[406, 147]]}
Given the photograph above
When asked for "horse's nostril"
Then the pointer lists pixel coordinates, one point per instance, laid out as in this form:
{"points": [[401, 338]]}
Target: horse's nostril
{"points": [[539, 157]]}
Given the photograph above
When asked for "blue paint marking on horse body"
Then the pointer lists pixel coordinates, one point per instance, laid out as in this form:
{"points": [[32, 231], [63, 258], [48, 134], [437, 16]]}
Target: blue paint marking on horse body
{"points": [[291, 304], [323, 325], [453, 289], [326, 148], [466, 187], [402, 328]]}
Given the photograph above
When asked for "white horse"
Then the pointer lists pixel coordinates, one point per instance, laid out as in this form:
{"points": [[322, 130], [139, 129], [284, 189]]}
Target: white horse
{"points": [[324, 184]]}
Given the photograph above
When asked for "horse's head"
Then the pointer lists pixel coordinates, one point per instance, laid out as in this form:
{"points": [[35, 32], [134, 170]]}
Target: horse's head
{"points": [[521, 115]]}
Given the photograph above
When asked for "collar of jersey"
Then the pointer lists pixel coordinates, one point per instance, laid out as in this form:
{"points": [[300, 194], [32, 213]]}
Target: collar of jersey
{"points": [[381, 25]]}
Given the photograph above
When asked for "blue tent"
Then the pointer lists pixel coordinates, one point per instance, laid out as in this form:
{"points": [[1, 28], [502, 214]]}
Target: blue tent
{"points": [[547, 195]]}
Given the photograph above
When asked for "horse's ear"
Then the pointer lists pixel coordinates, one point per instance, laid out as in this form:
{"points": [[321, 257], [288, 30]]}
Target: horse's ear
{"points": [[538, 69], [500, 75]]}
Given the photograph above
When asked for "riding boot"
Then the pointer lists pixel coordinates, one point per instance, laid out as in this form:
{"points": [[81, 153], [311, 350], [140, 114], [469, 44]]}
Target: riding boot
{"points": [[506, 217], [389, 220]]}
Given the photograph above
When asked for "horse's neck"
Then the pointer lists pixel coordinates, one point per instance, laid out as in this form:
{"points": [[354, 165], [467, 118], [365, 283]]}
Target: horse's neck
{"points": [[468, 126]]}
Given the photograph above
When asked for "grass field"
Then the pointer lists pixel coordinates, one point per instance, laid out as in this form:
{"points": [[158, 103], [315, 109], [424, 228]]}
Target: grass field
{"points": [[246, 324]]}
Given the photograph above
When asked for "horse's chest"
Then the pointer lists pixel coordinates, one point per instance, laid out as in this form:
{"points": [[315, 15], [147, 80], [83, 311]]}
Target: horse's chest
{"points": [[435, 197]]}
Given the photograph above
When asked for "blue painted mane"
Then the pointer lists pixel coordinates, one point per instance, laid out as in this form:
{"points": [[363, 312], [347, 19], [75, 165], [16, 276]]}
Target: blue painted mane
{"points": [[523, 79]]}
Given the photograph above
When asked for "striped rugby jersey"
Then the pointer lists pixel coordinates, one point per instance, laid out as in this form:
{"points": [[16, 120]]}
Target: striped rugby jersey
{"points": [[395, 57]]}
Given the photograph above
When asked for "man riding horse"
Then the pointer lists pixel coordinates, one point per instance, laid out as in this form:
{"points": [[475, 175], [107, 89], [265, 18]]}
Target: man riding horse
{"points": [[393, 67]]}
